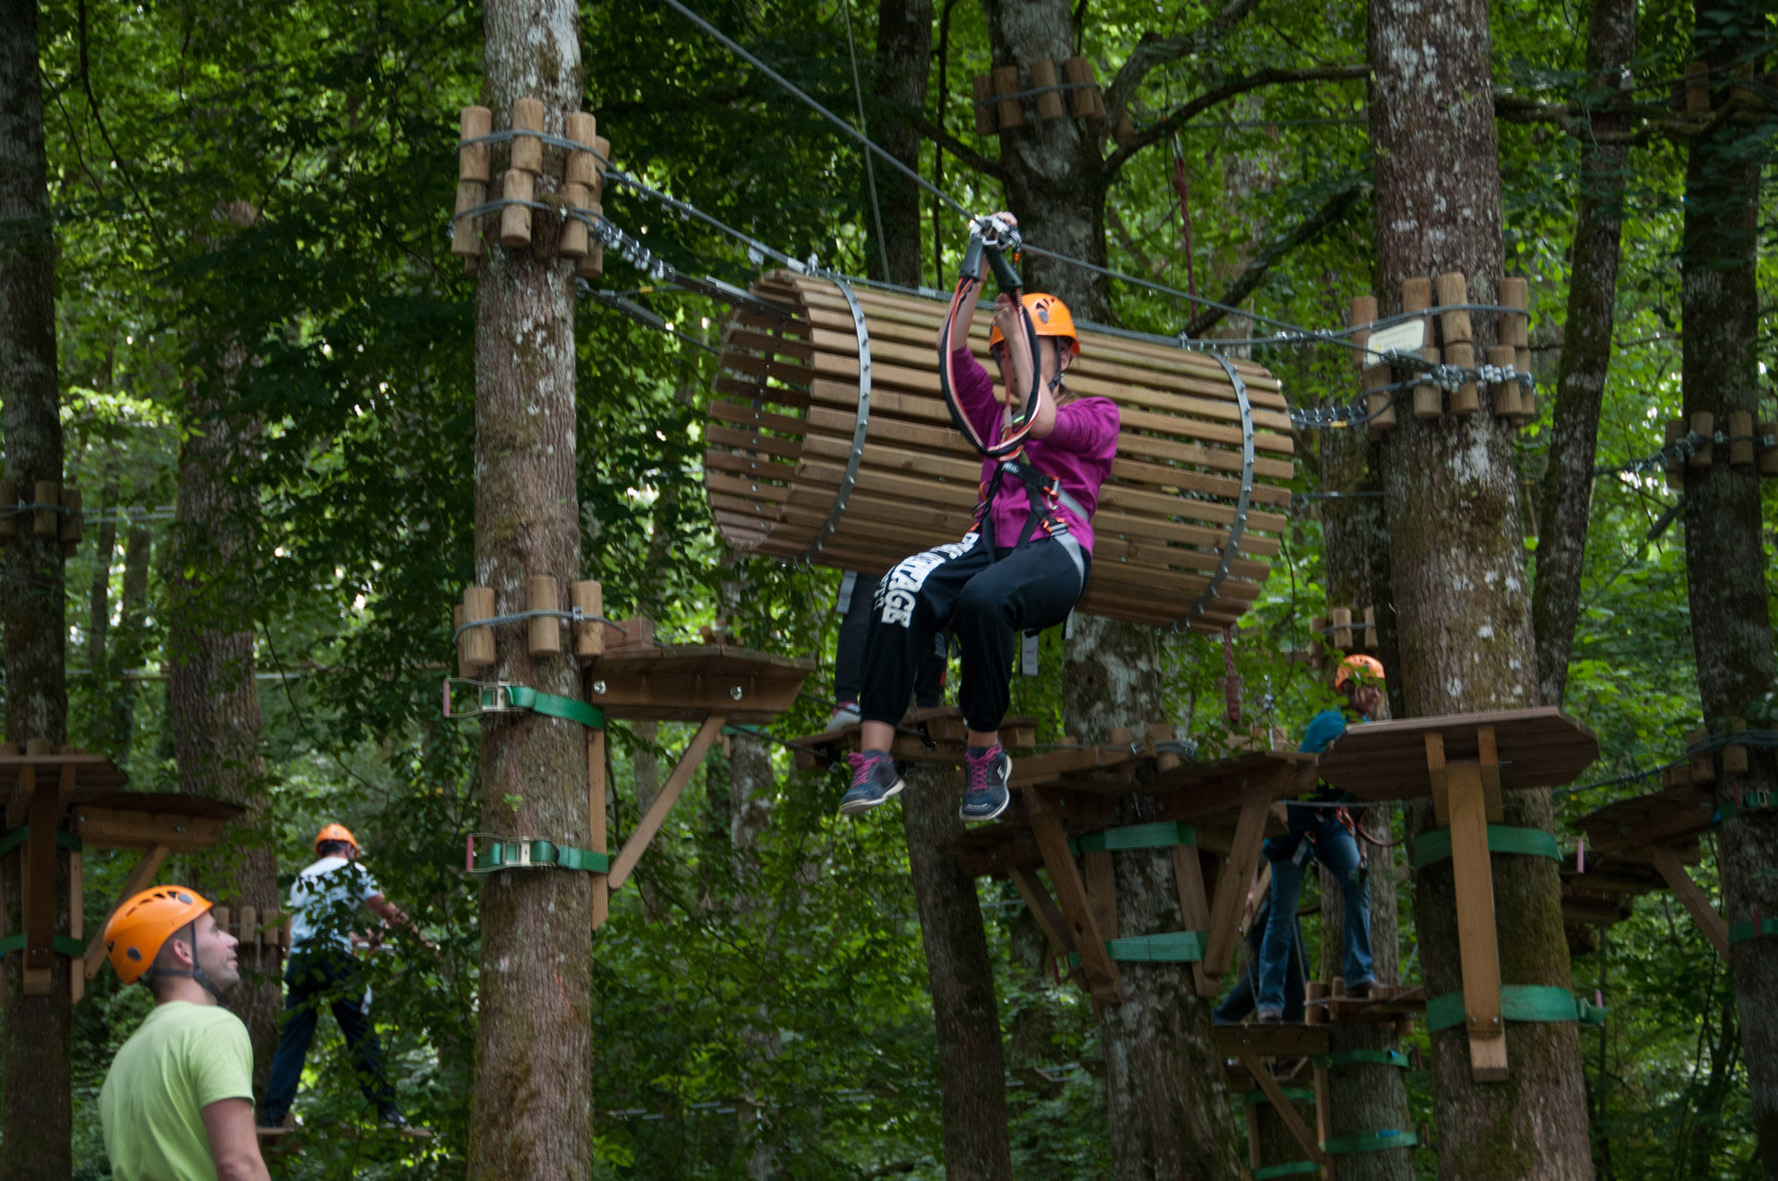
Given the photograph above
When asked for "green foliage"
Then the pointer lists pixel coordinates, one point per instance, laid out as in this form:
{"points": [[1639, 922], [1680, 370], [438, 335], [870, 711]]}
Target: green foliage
{"points": [[761, 1008]]}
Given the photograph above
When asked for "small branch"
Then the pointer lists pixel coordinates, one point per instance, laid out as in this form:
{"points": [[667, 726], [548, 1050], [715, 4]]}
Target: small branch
{"points": [[1221, 94], [956, 147], [1153, 51], [1331, 211]]}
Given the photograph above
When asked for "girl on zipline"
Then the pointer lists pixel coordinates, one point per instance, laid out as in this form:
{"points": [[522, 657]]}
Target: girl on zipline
{"points": [[1020, 567]]}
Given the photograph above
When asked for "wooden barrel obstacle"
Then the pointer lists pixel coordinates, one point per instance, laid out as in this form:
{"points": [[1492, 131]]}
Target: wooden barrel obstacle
{"points": [[830, 443]]}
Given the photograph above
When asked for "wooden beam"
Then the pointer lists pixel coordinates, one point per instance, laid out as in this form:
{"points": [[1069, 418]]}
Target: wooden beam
{"points": [[118, 828], [1282, 1105], [1104, 980], [38, 872], [1100, 875], [663, 803], [76, 920], [1477, 939], [596, 836], [1691, 896], [1043, 909], [1194, 907], [140, 875], [1323, 1113], [1489, 757], [1435, 774], [1231, 888]]}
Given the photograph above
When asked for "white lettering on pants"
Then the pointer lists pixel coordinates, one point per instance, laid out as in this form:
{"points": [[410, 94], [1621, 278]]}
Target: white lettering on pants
{"points": [[900, 588]]}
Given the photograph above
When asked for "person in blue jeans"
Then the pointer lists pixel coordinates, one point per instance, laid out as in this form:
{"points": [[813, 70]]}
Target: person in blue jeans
{"points": [[1315, 830]]}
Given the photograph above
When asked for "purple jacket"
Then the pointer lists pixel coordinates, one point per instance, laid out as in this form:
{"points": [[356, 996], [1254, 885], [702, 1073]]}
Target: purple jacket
{"points": [[1078, 452]]}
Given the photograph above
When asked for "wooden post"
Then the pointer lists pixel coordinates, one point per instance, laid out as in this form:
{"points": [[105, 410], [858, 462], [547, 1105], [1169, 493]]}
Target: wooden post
{"points": [[1515, 329], [543, 632], [595, 778], [1465, 400], [472, 161], [1101, 881], [589, 635], [1006, 81], [1103, 978], [527, 151], [983, 87], [1043, 80], [1194, 908], [1478, 946], [583, 167], [1315, 1008], [515, 220], [1507, 403], [1428, 397], [1454, 326], [1231, 886], [478, 642], [1342, 627]]}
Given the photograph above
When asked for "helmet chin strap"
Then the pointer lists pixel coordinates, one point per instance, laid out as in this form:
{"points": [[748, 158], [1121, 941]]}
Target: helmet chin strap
{"points": [[194, 972]]}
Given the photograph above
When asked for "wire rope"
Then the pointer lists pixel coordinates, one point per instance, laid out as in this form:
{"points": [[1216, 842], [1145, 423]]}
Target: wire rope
{"points": [[870, 169]]}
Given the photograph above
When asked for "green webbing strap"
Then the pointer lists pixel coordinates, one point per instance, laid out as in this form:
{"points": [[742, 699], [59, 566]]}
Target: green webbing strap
{"points": [[1367, 1057], [1742, 932], [62, 945], [1173, 947], [499, 853], [497, 697], [1757, 800], [1296, 1168], [1369, 1142], [16, 837], [1518, 1002], [1294, 1094], [1530, 842], [1162, 835]]}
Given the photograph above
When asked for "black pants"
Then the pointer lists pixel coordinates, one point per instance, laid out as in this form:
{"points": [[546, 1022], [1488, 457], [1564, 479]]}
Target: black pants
{"points": [[325, 976], [848, 656], [987, 604]]}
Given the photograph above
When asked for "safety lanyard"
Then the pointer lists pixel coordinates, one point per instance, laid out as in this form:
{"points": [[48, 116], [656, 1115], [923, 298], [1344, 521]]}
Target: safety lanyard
{"points": [[1004, 240]]}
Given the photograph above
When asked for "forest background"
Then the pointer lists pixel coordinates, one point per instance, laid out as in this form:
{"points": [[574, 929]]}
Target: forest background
{"points": [[251, 208]]}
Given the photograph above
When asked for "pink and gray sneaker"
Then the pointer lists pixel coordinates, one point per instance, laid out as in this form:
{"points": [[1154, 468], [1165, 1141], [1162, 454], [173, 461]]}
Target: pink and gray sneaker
{"points": [[986, 774], [874, 780]]}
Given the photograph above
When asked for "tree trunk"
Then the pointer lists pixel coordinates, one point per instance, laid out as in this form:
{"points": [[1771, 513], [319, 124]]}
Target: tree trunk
{"points": [[37, 1123], [98, 627], [1567, 497], [212, 695], [532, 1113], [1457, 571], [132, 642], [971, 1064], [904, 58], [1731, 625]]}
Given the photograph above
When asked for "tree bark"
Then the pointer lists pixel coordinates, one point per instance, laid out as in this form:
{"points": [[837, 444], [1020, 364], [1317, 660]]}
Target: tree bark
{"points": [[37, 1122], [971, 1063], [212, 695], [1457, 571], [1567, 496], [532, 1112], [98, 627], [131, 643], [1731, 624], [904, 59]]}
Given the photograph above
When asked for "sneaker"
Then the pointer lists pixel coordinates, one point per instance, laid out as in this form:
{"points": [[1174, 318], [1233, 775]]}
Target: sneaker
{"points": [[874, 780], [985, 777], [844, 714], [1268, 1016]]}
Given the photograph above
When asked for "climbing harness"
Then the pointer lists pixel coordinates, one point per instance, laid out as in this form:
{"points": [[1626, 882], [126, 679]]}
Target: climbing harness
{"points": [[996, 238], [1045, 495]]}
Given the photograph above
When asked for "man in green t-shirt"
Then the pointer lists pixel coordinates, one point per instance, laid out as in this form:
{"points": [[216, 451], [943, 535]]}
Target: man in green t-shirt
{"points": [[177, 1104]]}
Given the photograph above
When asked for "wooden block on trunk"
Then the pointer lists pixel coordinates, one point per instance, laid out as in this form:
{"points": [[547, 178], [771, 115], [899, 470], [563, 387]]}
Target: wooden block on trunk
{"points": [[1454, 325], [1361, 315], [1705, 425], [9, 498], [1006, 110], [1043, 80], [478, 642], [583, 167], [515, 220], [1515, 330], [472, 160], [1703, 764], [1676, 430], [466, 242], [527, 150], [1370, 629], [572, 242], [1429, 399], [46, 522], [1740, 439], [1767, 444], [543, 632], [1697, 88], [588, 597], [984, 105], [1342, 628], [1507, 402], [1466, 400]]}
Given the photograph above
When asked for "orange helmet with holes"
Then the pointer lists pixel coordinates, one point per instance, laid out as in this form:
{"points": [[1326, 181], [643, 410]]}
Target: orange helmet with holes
{"points": [[336, 832], [1365, 668], [135, 934], [1049, 316]]}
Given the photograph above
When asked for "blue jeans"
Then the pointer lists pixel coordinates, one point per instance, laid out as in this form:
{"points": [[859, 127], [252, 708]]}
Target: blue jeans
{"points": [[325, 976], [1334, 847]]}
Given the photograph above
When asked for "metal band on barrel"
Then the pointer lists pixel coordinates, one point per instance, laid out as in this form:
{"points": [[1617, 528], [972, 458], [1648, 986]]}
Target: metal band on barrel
{"points": [[858, 432], [1240, 526]]}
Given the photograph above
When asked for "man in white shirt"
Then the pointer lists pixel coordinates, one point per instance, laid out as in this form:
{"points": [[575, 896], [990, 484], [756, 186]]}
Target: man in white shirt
{"points": [[324, 902]]}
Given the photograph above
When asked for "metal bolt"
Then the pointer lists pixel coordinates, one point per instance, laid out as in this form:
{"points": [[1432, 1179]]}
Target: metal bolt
{"points": [[599, 687], [735, 692]]}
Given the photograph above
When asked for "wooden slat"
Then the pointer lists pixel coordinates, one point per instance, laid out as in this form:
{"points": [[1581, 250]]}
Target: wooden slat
{"points": [[1283, 1107], [1194, 906], [656, 816], [1231, 888], [1477, 938], [1691, 896], [596, 834], [1103, 978]]}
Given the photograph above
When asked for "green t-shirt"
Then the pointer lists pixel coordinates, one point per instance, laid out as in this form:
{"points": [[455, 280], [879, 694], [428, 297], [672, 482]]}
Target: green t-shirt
{"points": [[181, 1059]]}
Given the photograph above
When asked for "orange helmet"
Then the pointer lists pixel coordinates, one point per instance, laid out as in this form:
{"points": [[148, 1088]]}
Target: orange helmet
{"points": [[336, 832], [135, 934], [1365, 668], [1049, 316]]}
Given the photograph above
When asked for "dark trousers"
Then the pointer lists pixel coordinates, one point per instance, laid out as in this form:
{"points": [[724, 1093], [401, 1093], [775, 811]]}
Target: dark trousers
{"points": [[986, 603], [325, 976], [848, 656]]}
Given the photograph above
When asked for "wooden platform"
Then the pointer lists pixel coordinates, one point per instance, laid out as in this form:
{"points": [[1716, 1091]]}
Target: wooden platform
{"points": [[1227, 803], [688, 682], [1643, 844], [939, 741]]}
